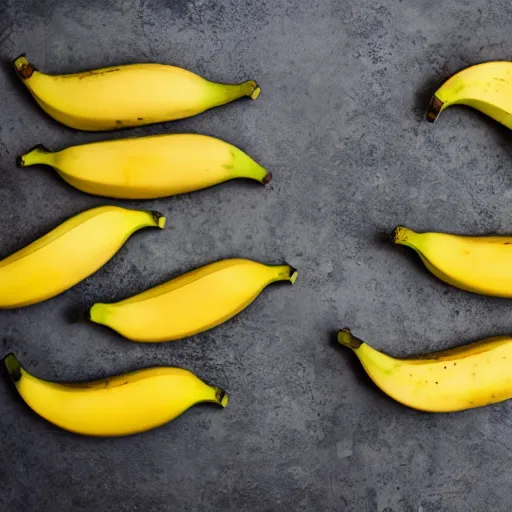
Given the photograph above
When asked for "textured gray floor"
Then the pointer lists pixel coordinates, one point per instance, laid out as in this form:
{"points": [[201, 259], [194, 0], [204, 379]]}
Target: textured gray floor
{"points": [[340, 125]]}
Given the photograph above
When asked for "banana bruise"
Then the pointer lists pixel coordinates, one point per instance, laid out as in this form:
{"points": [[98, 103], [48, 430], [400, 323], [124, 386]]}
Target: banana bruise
{"points": [[476, 264], [116, 406], [130, 95], [486, 87], [148, 167], [69, 253], [452, 380], [192, 303]]}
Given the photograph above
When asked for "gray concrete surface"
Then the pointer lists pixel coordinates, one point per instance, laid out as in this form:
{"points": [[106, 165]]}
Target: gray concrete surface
{"points": [[340, 124]]}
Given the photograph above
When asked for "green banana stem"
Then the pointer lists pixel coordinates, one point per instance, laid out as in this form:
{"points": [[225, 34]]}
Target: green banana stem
{"points": [[286, 273], [37, 155], [293, 275], [243, 166], [228, 93], [346, 338], [13, 367]]}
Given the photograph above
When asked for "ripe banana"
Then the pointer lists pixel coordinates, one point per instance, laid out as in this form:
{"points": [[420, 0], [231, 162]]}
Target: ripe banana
{"points": [[191, 303], [148, 167], [452, 380], [486, 87], [115, 406], [475, 264], [131, 95], [71, 252]]}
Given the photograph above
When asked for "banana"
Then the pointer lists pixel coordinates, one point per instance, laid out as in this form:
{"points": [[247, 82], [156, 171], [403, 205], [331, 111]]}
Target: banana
{"points": [[130, 95], [69, 253], [475, 264], [486, 87], [116, 406], [191, 303], [148, 167], [452, 380]]}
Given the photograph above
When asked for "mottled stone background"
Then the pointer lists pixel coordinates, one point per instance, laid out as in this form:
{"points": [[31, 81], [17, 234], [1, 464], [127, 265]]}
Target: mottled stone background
{"points": [[340, 125]]}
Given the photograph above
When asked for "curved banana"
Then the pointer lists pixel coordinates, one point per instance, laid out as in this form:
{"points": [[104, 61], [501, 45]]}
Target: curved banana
{"points": [[475, 264], [486, 87], [191, 303], [148, 167], [116, 406], [452, 380], [131, 95], [71, 252]]}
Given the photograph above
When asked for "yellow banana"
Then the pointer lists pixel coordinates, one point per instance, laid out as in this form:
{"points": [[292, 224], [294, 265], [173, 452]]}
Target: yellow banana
{"points": [[115, 406], [452, 380], [486, 87], [131, 95], [148, 167], [475, 264], [191, 303], [69, 253]]}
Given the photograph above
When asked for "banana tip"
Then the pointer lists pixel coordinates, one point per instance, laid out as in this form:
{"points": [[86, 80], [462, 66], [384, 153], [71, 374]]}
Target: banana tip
{"points": [[159, 219], [23, 67], [399, 235], [20, 60], [293, 274], [346, 338], [20, 162], [267, 179], [222, 397], [13, 367], [434, 109], [256, 92]]}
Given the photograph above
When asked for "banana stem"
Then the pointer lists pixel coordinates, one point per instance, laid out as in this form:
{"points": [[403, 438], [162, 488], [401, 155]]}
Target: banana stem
{"points": [[346, 338], [159, 219], [293, 274], [400, 235], [13, 367], [221, 397], [434, 109], [228, 93], [286, 273], [23, 67], [37, 155], [155, 219]]}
